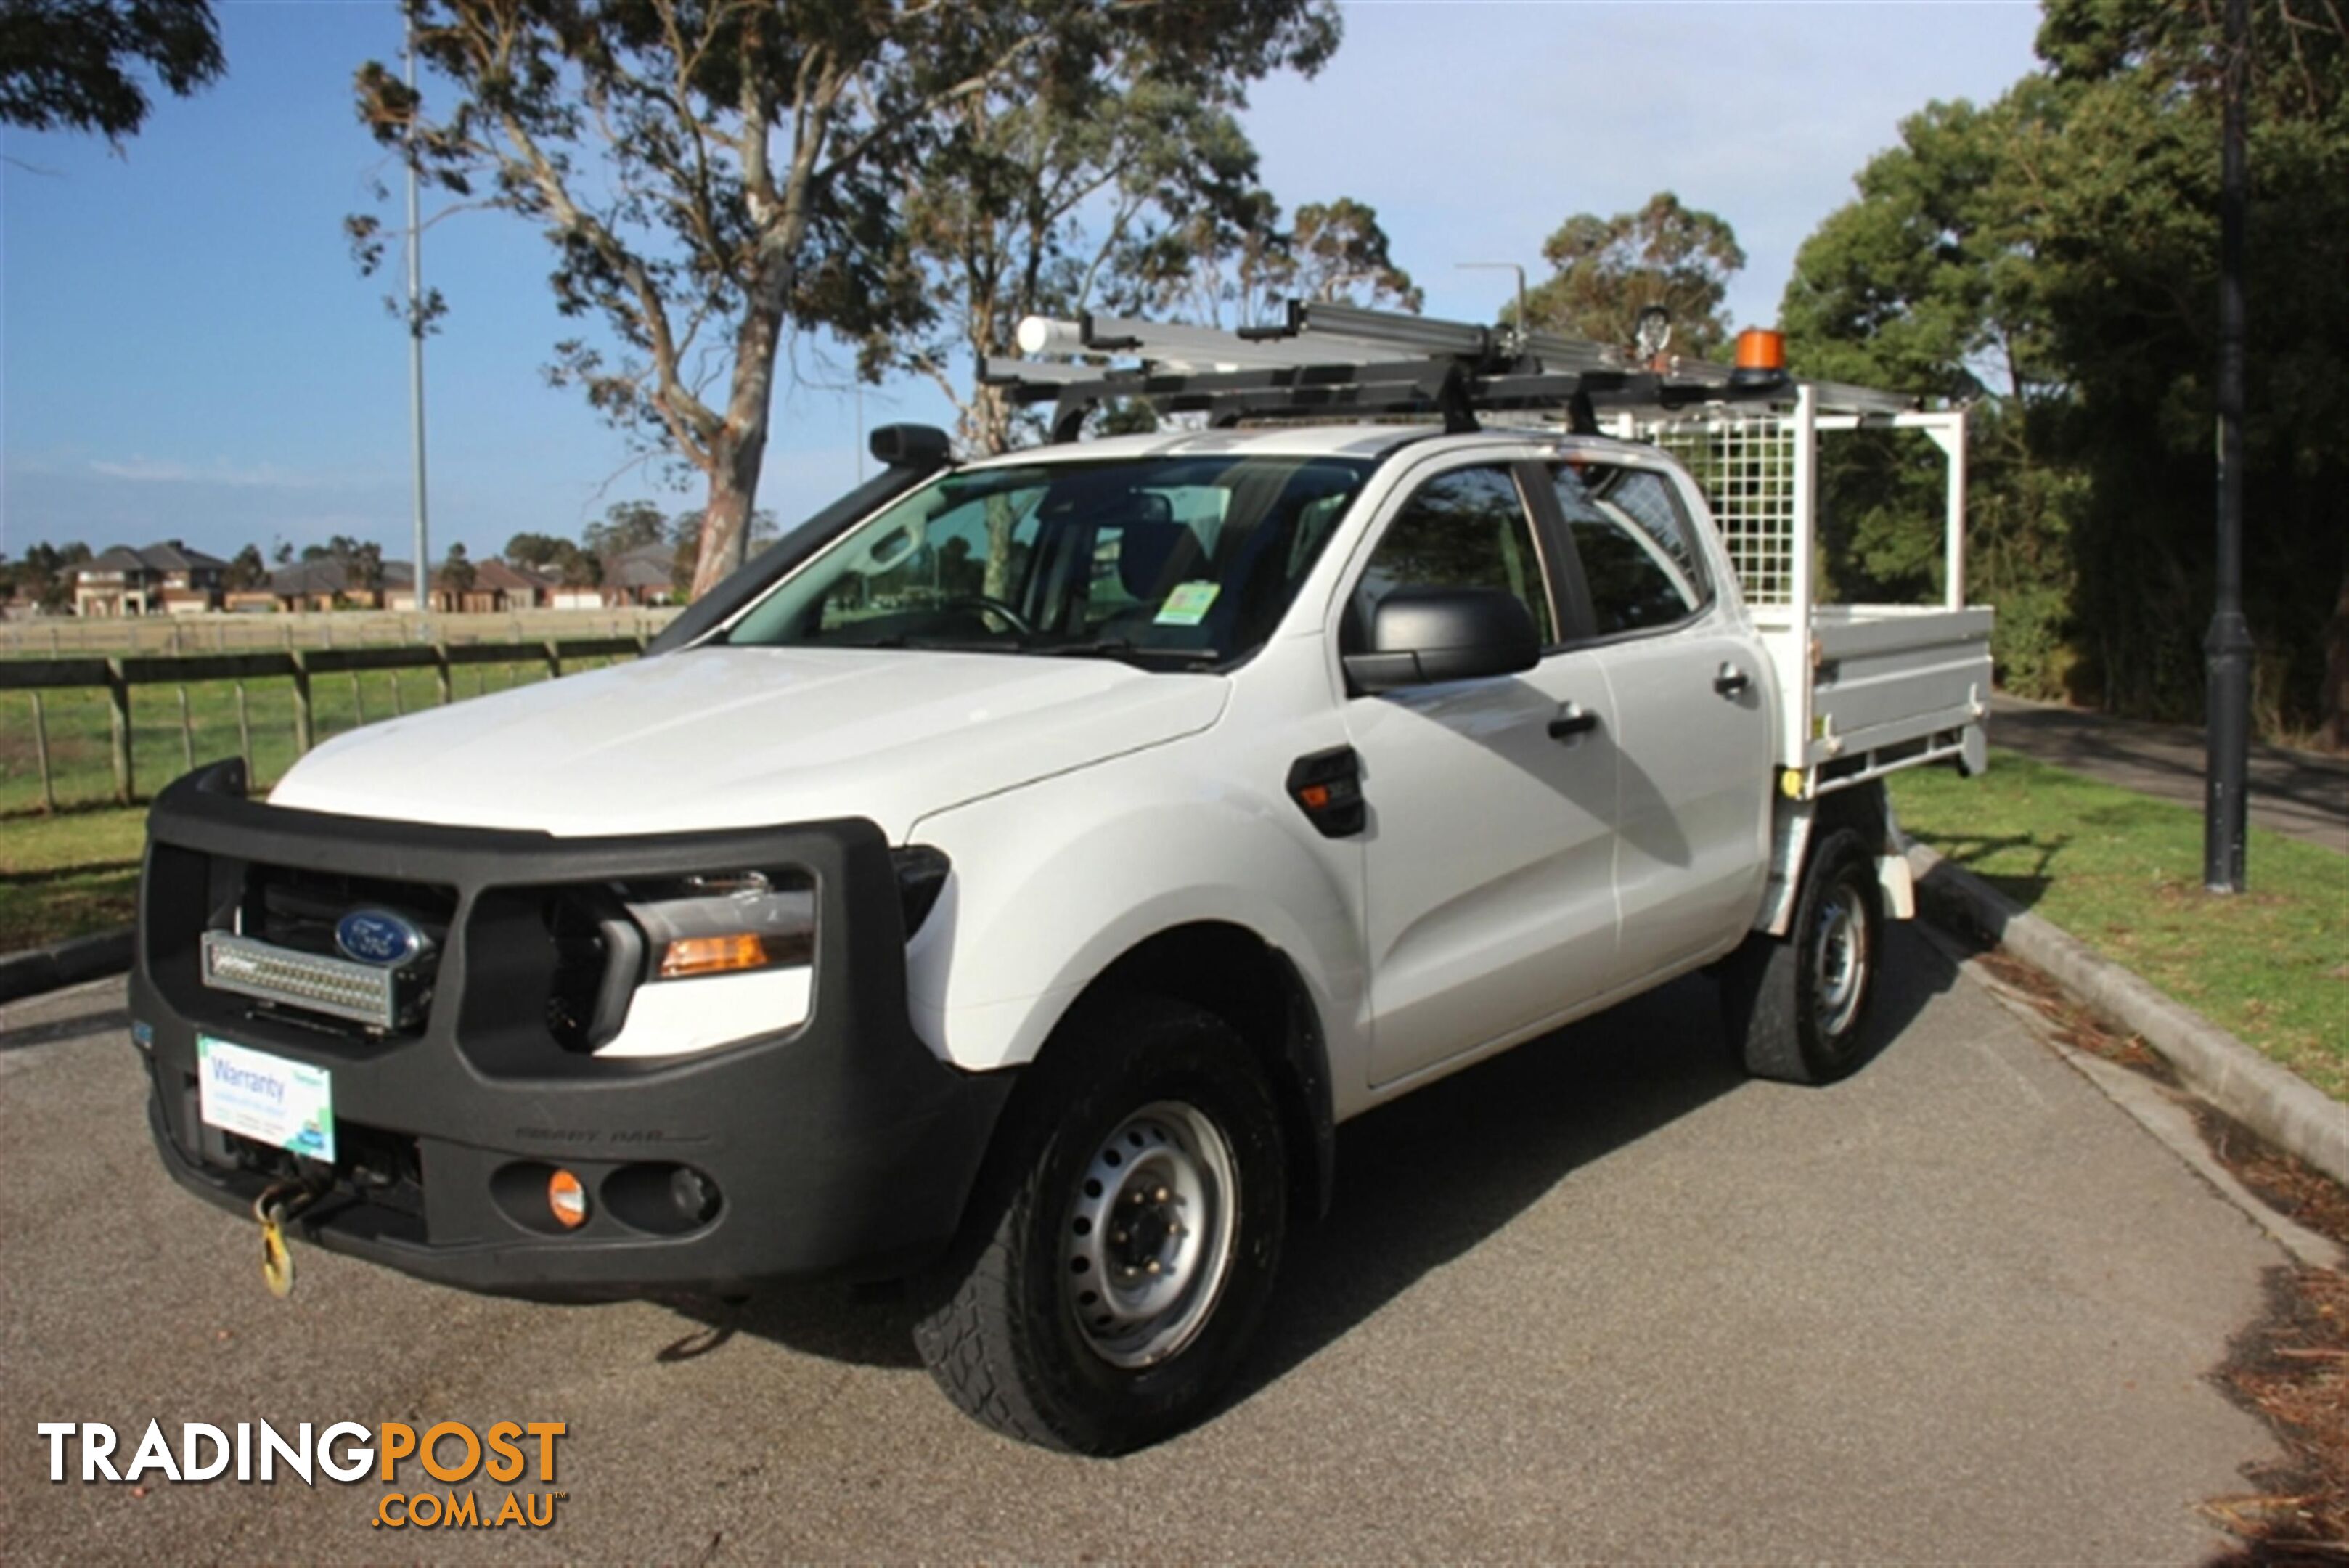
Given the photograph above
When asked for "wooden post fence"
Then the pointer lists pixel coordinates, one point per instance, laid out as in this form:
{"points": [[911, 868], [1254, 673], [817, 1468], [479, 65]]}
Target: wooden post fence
{"points": [[299, 666], [41, 751], [301, 731], [117, 698]]}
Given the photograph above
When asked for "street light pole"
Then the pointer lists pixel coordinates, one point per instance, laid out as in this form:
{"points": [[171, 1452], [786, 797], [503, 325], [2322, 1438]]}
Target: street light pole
{"points": [[423, 581], [2227, 646], [1522, 327]]}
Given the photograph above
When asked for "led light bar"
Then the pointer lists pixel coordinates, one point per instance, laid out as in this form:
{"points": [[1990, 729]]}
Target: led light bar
{"points": [[363, 992]]}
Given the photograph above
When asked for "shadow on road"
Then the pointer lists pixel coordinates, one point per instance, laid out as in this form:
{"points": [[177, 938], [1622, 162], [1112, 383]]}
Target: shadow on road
{"points": [[1420, 1182]]}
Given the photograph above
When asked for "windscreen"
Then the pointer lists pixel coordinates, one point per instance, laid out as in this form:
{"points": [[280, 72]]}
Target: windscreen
{"points": [[1170, 562]]}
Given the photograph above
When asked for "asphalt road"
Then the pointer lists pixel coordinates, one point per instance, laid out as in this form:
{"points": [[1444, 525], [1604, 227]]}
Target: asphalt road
{"points": [[2302, 793], [1598, 1299]]}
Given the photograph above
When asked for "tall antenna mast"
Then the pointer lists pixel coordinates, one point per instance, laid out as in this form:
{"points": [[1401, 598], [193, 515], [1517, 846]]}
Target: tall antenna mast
{"points": [[1521, 327], [423, 589]]}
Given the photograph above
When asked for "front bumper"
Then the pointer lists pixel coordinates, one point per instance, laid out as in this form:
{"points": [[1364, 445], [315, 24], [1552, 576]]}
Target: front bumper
{"points": [[840, 1145]]}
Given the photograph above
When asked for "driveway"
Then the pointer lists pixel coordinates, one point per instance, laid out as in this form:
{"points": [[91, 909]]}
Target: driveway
{"points": [[1598, 1299]]}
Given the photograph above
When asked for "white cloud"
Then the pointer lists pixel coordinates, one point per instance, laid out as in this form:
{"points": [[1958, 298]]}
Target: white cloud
{"points": [[239, 476]]}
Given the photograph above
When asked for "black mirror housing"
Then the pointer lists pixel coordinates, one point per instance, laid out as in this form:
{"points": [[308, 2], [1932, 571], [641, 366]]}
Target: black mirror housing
{"points": [[1420, 636], [923, 447]]}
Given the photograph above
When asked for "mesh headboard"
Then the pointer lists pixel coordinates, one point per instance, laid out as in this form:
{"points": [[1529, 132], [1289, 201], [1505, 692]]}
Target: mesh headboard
{"points": [[1744, 462]]}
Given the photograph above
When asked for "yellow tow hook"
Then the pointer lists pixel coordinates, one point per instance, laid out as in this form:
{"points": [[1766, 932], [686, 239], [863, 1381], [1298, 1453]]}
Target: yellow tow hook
{"points": [[275, 1206]]}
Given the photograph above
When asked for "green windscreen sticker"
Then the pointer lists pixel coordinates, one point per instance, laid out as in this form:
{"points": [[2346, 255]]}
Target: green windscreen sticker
{"points": [[1187, 605]]}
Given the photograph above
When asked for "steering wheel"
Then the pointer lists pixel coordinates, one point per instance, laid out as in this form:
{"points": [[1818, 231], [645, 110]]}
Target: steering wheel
{"points": [[1017, 621]]}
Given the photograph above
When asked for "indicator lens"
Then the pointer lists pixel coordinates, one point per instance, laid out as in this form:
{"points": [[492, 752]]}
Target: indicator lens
{"points": [[690, 956]]}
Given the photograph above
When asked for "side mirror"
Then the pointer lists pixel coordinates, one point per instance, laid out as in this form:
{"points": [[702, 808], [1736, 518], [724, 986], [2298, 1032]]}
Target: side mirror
{"points": [[922, 448], [1420, 636]]}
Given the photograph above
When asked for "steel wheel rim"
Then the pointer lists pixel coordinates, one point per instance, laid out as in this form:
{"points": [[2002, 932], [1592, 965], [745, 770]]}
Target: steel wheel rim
{"points": [[1839, 959], [1149, 1238]]}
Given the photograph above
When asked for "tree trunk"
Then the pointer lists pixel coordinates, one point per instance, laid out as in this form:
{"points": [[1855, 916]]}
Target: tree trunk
{"points": [[726, 516], [990, 430], [738, 450]]}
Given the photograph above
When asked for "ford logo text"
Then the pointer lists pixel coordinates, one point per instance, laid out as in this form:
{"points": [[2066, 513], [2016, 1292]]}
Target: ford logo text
{"points": [[378, 936]]}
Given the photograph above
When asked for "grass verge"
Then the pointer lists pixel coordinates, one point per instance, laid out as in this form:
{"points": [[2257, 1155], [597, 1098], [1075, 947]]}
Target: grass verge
{"points": [[76, 871], [67, 875], [77, 726], [2123, 873]]}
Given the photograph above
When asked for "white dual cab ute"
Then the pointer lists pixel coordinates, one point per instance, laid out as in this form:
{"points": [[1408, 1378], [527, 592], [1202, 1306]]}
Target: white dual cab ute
{"points": [[1008, 881]]}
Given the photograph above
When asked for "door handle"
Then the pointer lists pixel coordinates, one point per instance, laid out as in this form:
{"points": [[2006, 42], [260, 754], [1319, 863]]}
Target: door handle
{"points": [[1729, 681], [1572, 721]]}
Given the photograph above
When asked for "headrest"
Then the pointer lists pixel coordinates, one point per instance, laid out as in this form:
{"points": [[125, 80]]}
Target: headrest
{"points": [[1151, 545]]}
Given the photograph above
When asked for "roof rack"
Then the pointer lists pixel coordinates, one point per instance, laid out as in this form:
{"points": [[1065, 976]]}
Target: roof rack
{"points": [[1331, 359]]}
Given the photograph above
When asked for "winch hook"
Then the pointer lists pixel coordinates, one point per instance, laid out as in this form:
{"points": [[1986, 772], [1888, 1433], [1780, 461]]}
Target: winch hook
{"points": [[277, 1204]]}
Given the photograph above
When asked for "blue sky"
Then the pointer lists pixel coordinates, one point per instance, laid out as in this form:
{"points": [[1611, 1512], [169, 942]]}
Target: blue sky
{"points": [[188, 352]]}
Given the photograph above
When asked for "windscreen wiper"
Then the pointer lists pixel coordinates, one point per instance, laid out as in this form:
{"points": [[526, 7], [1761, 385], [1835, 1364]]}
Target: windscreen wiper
{"points": [[1125, 647], [931, 644]]}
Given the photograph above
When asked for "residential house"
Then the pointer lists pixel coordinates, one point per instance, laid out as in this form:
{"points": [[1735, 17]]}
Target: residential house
{"points": [[644, 576], [498, 588], [325, 583], [163, 578], [575, 596]]}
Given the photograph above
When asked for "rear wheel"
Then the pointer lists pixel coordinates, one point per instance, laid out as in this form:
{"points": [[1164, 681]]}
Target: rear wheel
{"points": [[1797, 1006], [1121, 1250]]}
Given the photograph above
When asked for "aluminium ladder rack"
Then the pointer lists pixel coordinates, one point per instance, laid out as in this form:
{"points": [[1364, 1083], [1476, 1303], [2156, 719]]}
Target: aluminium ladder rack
{"points": [[1339, 361]]}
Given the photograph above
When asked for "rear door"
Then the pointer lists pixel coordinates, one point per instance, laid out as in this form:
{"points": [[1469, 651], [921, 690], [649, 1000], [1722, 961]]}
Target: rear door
{"points": [[1692, 714], [1489, 899]]}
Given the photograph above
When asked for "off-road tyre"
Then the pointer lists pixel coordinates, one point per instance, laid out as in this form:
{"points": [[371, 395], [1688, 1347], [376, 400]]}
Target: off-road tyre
{"points": [[998, 1320], [1797, 1008]]}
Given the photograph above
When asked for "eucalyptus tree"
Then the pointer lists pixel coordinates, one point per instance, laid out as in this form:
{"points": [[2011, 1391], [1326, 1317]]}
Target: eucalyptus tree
{"points": [[84, 64], [1236, 264], [1034, 207], [1931, 281], [713, 175], [1606, 271], [2056, 254]]}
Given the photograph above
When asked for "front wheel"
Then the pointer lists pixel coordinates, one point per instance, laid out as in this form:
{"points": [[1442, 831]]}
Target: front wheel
{"points": [[1797, 1006], [1123, 1246]]}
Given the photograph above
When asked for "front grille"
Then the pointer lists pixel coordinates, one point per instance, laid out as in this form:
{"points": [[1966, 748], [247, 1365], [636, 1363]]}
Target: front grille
{"points": [[272, 938], [363, 993], [294, 908]]}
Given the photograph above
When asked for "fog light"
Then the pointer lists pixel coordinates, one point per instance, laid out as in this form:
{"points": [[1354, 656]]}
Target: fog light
{"points": [[695, 1197], [567, 1199]]}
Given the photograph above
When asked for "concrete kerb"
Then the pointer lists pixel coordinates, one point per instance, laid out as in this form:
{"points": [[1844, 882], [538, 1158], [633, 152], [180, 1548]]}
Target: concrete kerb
{"points": [[2271, 1101], [61, 964]]}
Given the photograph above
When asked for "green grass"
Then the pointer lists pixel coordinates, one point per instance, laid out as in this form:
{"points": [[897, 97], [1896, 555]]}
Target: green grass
{"points": [[67, 875], [81, 760], [2123, 873], [77, 871]]}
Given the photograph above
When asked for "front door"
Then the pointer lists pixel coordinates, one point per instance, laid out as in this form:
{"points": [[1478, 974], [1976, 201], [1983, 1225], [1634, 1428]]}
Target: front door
{"points": [[1489, 899]]}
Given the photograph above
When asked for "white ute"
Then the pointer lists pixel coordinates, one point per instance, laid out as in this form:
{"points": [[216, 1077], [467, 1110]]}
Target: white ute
{"points": [[1237, 779]]}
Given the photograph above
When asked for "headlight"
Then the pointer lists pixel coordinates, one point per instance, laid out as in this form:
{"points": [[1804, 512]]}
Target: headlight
{"points": [[724, 923]]}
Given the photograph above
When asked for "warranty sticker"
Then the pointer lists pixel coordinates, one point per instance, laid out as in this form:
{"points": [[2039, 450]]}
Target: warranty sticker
{"points": [[1187, 605]]}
